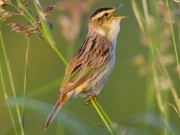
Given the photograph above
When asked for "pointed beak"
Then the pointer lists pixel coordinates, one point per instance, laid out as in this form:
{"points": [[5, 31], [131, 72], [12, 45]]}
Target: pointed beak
{"points": [[119, 17], [119, 6]]}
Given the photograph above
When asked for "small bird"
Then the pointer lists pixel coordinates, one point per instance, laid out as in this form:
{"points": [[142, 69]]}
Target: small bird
{"points": [[91, 66]]}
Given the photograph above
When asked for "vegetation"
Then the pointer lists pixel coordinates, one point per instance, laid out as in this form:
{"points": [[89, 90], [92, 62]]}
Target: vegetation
{"points": [[142, 94]]}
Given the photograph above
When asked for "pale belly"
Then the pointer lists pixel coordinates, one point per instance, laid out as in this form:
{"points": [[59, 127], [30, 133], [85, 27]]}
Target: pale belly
{"points": [[97, 82], [94, 84], [106, 73]]}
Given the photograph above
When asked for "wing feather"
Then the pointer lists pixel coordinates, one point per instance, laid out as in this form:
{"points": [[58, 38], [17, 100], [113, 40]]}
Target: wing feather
{"points": [[89, 59]]}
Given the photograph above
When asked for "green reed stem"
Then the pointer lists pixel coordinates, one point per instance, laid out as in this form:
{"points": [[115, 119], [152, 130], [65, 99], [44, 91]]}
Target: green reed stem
{"points": [[6, 98], [45, 30], [172, 89], [25, 78], [107, 121], [48, 34], [153, 32], [11, 82], [173, 38]]}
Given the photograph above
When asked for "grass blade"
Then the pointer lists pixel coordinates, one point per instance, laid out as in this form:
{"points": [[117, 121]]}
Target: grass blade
{"points": [[45, 25], [107, 121], [173, 37], [138, 15], [6, 98], [66, 118], [47, 30], [11, 82]]}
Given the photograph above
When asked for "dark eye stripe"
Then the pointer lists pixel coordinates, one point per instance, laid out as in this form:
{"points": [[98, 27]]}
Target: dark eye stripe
{"points": [[105, 14], [99, 10]]}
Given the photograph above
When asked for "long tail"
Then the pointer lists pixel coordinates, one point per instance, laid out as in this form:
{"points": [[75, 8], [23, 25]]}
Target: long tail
{"points": [[54, 111]]}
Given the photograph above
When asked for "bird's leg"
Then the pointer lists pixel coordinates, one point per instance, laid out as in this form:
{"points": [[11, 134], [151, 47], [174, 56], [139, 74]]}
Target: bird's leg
{"points": [[89, 98]]}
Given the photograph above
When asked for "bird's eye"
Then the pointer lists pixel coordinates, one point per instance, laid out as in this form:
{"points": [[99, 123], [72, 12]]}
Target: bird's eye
{"points": [[105, 14]]}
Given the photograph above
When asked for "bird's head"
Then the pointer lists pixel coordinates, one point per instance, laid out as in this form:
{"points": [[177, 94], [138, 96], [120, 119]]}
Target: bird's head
{"points": [[103, 22]]}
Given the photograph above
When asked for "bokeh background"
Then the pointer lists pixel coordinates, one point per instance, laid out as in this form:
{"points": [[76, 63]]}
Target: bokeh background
{"points": [[124, 98]]}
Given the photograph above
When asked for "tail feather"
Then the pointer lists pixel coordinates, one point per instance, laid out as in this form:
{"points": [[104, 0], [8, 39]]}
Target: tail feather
{"points": [[54, 111]]}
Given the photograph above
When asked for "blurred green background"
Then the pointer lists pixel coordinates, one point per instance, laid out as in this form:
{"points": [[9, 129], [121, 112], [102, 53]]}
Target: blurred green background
{"points": [[124, 97]]}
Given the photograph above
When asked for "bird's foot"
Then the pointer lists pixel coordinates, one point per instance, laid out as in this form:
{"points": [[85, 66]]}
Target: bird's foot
{"points": [[90, 98]]}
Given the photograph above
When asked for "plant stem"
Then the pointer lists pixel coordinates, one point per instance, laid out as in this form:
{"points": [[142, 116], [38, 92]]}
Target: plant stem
{"points": [[107, 121], [173, 38], [6, 98], [11, 82], [25, 79]]}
